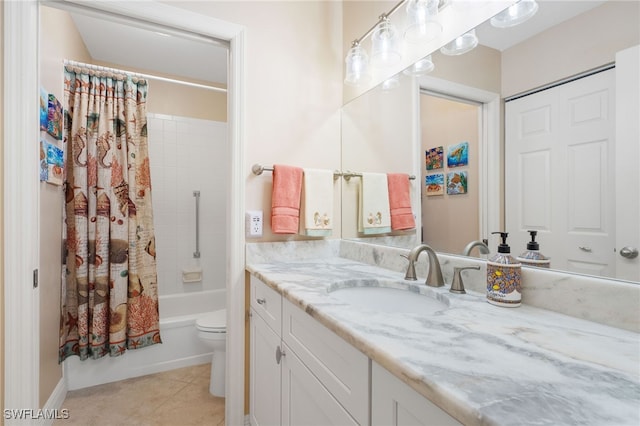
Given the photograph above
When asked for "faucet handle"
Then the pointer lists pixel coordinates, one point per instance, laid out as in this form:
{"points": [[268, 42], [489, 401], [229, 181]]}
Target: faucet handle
{"points": [[410, 275], [457, 286]]}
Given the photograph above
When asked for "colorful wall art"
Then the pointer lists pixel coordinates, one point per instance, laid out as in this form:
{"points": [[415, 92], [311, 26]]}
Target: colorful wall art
{"points": [[54, 117], [44, 109], [435, 184], [458, 155], [434, 158], [456, 183], [55, 163]]}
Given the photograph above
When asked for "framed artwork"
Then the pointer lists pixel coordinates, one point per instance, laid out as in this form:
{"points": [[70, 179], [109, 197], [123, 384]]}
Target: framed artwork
{"points": [[55, 163], [54, 117], [44, 109], [44, 168], [435, 184], [456, 183], [434, 158], [458, 155]]}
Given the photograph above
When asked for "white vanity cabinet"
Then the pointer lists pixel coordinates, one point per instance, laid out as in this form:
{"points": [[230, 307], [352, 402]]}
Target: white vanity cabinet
{"points": [[300, 371], [394, 403]]}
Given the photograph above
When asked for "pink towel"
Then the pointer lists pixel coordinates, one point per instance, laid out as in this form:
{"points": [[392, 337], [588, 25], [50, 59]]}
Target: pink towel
{"points": [[400, 202], [285, 199]]}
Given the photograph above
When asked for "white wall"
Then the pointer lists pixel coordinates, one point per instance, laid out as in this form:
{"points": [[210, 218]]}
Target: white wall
{"points": [[186, 155]]}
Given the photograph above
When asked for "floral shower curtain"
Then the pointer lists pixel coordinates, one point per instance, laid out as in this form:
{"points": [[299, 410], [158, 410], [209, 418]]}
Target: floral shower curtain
{"points": [[109, 289]]}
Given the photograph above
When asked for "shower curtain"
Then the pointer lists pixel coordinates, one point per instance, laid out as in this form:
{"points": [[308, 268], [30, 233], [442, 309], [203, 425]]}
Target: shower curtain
{"points": [[109, 292]]}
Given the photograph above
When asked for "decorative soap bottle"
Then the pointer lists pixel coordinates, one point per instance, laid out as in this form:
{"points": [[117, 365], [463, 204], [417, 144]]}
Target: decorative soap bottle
{"points": [[533, 257], [503, 277]]}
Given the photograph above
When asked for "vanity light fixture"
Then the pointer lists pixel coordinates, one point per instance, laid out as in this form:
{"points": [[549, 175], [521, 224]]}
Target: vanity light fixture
{"points": [[515, 14], [421, 67], [357, 68], [424, 24], [385, 44], [391, 83], [460, 45]]}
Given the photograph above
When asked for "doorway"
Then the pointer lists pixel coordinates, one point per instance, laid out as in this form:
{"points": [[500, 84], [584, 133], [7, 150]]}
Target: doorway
{"points": [[450, 139], [21, 46]]}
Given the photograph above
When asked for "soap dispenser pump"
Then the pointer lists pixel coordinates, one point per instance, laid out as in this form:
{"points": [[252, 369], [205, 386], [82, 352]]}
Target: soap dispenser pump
{"points": [[503, 276], [533, 257]]}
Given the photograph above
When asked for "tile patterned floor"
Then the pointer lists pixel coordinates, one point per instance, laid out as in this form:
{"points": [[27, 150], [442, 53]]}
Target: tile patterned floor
{"points": [[173, 398]]}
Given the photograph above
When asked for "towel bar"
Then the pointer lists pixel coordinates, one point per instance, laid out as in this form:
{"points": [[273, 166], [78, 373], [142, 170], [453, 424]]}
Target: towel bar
{"points": [[258, 169]]}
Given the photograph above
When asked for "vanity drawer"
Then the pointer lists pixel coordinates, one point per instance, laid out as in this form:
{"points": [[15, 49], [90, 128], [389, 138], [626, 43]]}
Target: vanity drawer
{"points": [[342, 369], [267, 303]]}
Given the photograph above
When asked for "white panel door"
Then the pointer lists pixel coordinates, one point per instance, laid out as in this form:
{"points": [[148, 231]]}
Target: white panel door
{"points": [[627, 161], [559, 157]]}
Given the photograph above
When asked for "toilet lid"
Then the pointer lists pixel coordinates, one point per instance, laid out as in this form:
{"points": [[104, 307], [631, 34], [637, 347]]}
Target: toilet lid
{"points": [[213, 321]]}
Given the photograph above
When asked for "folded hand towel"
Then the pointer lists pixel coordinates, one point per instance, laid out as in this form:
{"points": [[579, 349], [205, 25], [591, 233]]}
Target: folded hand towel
{"points": [[400, 202], [316, 209], [285, 199], [373, 200]]}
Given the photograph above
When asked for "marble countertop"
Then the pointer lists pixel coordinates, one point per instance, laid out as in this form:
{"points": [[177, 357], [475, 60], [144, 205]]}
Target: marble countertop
{"points": [[481, 363]]}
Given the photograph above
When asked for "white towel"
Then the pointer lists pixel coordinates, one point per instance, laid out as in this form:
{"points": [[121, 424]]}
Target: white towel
{"points": [[373, 202], [316, 208]]}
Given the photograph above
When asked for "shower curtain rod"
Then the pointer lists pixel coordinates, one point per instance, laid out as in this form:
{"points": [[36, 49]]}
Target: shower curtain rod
{"points": [[141, 75]]}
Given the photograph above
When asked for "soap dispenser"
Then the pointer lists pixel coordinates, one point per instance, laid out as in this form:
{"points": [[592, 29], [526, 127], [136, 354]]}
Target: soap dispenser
{"points": [[503, 276], [533, 257]]}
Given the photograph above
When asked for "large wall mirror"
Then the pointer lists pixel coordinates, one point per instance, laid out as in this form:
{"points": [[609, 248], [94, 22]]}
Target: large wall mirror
{"points": [[463, 101]]}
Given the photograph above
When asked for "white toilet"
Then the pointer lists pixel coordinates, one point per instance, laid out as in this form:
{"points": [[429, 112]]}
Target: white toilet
{"points": [[212, 329]]}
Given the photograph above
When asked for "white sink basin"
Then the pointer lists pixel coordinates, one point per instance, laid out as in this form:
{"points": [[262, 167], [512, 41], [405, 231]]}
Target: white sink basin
{"points": [[386, 299]]}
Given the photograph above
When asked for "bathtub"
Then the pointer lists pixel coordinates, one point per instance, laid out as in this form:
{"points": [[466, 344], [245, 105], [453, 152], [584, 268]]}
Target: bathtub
{"points": [[180, 344]]}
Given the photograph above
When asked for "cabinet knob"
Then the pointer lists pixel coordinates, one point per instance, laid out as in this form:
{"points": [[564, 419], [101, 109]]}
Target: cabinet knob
{"points": [[279, 354], [261, 301]]}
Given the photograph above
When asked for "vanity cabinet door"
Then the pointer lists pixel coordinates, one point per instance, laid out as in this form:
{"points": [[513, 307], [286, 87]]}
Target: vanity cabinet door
{"points": [[305, 401], [265, 375], [394, 403]]}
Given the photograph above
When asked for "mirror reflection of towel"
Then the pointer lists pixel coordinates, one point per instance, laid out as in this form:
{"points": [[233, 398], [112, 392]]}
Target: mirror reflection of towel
{"points": [[400, 202], [316, 209], [285, 199], [373, 203]]}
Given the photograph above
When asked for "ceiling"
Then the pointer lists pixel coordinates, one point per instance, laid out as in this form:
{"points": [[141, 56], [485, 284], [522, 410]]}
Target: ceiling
{"points": [[153, 51], [550, 13], [207, 60]]}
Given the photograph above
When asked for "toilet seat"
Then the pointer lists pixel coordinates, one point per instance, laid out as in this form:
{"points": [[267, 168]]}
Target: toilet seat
{"points": [[213, 322]]}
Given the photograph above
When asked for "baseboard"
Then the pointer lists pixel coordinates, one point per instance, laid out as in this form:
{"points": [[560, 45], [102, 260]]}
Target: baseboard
{"points": [[53, 408]]}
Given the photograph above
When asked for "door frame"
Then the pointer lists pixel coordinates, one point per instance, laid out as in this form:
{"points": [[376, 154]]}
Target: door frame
{"points": [[490, 142], [21, 187]]}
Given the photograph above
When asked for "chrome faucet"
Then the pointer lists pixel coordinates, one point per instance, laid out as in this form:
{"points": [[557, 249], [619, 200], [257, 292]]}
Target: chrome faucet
{"points": [[434, 276], [483, 248]]}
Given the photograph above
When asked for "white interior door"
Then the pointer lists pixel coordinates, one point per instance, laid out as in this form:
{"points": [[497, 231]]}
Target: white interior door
{"points": [[560, 163], [627, 161]]}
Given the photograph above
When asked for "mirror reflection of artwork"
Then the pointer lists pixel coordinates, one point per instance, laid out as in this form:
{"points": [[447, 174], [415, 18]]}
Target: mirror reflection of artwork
{"points": [[434, 158], [458, 155], [456, 183], [54, 116], [435, 184]]}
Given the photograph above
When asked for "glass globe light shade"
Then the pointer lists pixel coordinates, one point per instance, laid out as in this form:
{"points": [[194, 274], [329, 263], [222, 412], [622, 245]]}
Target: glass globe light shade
{"points": [[460, 45], [391, 83], [357, 66], [515, 14], [421, 67], [423, 21], [385, 45]]}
